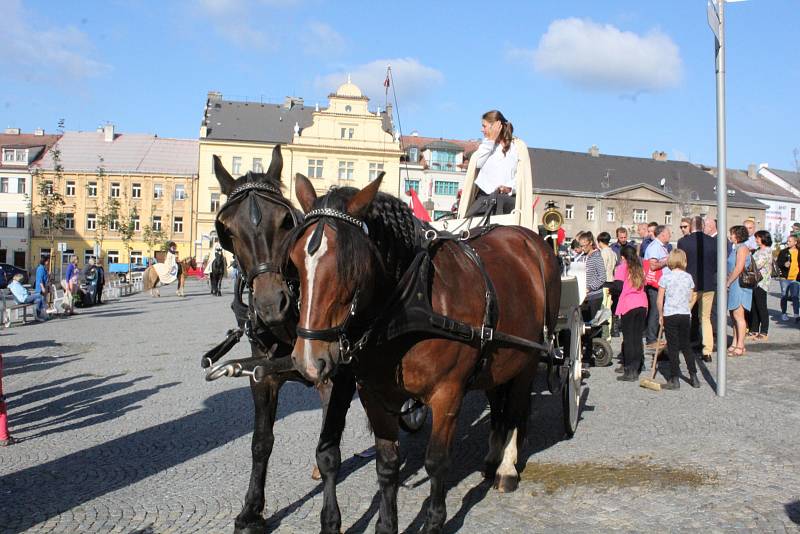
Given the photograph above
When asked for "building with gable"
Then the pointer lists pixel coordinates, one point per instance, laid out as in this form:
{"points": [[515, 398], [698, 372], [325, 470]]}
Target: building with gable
{"points": [[153, 179], [18, 151], [343, 144]]}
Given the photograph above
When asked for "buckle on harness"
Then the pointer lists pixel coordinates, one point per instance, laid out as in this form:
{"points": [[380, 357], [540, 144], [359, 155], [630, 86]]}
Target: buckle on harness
{"points": [[487, 334]]}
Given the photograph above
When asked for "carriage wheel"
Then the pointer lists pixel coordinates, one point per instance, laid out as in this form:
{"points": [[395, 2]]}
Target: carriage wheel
{"points": [[414, 420], [602, 353], [571, 392]]}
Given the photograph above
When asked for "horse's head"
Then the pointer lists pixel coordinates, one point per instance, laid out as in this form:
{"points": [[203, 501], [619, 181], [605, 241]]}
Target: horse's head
{"points": [[251, 225], [338, 267]]}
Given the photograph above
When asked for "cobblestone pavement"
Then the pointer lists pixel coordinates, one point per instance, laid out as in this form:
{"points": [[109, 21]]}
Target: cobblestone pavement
{"points": [[122, 434]]}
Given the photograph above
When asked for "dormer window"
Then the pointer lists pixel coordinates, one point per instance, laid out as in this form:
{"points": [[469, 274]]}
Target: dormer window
{"points": [[15, 156]]}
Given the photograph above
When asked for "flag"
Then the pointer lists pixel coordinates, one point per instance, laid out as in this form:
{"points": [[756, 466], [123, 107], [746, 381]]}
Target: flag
{"points": [[416, 206], [386, 82]]}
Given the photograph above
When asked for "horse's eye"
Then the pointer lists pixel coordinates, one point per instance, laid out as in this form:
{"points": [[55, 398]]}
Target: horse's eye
{"points": [[288, 222]]}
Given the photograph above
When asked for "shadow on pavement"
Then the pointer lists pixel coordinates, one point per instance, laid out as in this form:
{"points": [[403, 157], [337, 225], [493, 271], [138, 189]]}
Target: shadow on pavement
{"points": [[793, 511], [29, 345]]}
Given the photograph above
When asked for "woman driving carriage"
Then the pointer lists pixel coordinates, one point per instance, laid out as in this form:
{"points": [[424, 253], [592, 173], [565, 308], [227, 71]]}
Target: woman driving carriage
{"points": [[500, 168]]}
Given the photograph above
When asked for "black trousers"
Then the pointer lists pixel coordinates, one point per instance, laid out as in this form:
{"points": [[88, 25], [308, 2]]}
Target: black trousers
{"points": [[501, 202], [588, 311], [632, 349], [651, 332], [676, 330], [759, 317]]}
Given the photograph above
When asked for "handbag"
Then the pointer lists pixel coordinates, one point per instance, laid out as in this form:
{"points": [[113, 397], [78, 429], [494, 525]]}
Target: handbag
{"points": [[651, 277], [750, 275]]}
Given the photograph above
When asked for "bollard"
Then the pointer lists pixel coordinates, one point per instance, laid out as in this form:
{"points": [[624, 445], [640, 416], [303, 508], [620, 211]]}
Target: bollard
{"points": [[4, 436]]}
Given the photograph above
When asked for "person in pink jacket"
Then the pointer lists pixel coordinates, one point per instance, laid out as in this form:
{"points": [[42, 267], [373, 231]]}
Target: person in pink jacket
{"points": [[632, 307]]}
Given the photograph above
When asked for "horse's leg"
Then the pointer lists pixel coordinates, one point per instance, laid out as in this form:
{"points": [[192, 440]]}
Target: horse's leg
{"points": [[329, 455], [387, 460], [265, 399], [515, 416], [445, 405], [497, 430]]}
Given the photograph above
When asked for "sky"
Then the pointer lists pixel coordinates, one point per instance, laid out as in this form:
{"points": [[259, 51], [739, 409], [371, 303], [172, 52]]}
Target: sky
{"points": [[628, 76]]}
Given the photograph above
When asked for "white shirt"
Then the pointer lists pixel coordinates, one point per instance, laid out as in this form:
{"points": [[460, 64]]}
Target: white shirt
{"points": [[496, 169]]}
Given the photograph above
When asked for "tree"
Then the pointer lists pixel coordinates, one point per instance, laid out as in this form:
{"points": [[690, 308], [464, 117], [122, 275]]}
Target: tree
{"points": [[106, 209], [51, 202], [127, 217], [152, 237]]}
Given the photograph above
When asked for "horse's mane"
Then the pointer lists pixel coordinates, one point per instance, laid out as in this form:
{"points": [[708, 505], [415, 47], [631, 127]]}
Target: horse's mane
{"points": [[392, 238]]}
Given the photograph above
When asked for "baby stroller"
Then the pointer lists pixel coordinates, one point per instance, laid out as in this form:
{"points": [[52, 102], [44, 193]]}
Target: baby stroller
{"points": [[87, 289]]}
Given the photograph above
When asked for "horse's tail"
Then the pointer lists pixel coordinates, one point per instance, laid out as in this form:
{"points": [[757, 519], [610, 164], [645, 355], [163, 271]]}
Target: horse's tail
{"points": [[147, 278]]}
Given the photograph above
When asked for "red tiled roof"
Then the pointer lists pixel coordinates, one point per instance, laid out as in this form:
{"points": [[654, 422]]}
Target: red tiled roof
{"points": [[26, 141], [418, 141]]}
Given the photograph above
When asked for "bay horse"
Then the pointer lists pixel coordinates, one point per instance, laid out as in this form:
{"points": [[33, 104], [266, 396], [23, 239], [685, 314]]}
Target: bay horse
{"points": [[352, 255], [252, 224], [151, 280]]}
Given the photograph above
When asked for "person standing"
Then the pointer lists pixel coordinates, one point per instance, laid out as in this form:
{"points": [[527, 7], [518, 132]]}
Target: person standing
{"points": [[632, 308], [42, 280], [622, 241], [101, 282], [656, 256], [595, 281], [648, 238], [70, 285], [751, 233], [674, 293], [759, 316], [701, 264], [790, 269], [610, 261], [739, 298], [685, 226]]}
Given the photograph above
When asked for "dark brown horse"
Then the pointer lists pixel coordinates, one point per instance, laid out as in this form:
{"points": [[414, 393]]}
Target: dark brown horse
{"points": [[350, 255], [251, 224]]}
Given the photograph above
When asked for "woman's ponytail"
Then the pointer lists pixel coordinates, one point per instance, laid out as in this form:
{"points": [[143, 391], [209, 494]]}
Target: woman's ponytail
{"points": [[506, 131]]}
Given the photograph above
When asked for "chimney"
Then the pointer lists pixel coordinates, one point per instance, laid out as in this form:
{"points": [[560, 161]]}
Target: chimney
{"points": [[13, 131], [38, 132], [752, 171], [594, 151], [659, 155], [108, 133], [291, 101], [213, 96]]}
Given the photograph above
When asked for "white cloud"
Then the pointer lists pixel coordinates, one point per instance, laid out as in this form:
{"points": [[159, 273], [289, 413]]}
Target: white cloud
{"points": [[45, 54], [601, 56], [413, 80], [322, 40], [229, 19]]}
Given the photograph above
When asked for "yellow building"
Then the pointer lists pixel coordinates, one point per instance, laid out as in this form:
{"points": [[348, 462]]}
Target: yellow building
{"points": [[343, 144], [155, 176]]}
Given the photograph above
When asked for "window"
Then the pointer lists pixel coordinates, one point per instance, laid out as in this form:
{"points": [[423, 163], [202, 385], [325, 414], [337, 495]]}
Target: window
{"points": [[177, 225], [236, 167], [87, 253], [569, 211], [15, 155], [639, 215], [115, 190], [91, 189], [21, 186], [69, 221], [257, 165], [44, 253], [156, 222], [3, 219], [449, 189], [20, 220], [374, 170], [4, 185], [315, 168], [412, 184], [70, 188], [610, 215], [48, 188], [347, 133], [346, 170], [45, 222], [112, 256], [8, 155], [589, 213], [158, 190], [793, 213], [348, 108], [214, 202], [180, 192], [91, 221], [136, 190], [667, 217], [114, 225], [443, 159], [3, 255], [137, 225], [413, 154], [136, 257], [19, 258]]}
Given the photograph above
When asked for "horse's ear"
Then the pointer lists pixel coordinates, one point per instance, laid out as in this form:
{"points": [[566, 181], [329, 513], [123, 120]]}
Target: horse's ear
{"points": [[276, 165], [357, 207], [305, 192], [224, 178]]}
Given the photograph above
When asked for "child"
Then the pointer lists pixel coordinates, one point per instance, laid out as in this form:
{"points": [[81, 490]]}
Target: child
{"points": [[632, 307], [674, 294]]}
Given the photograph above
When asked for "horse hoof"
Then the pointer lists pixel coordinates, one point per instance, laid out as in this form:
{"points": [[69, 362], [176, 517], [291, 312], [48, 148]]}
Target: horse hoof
{"points": [[506, 483], [252, 526], [315, 474]]}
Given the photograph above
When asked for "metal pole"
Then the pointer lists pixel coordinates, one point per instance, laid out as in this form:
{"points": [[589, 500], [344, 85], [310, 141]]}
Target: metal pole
{"points": [[722, 211]]}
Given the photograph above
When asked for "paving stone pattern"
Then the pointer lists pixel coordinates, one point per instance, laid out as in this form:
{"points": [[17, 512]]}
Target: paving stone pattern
{"points": [[122, 434]]}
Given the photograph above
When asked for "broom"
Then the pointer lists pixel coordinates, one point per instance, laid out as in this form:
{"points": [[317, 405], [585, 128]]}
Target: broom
{"points": [[650, 383]]}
